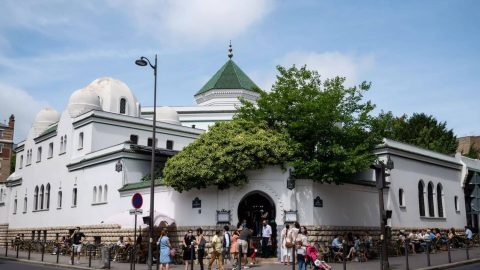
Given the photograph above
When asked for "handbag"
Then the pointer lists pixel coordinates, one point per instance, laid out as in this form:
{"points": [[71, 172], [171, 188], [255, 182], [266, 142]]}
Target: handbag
{"points": [[172, 252], [289, 244]]}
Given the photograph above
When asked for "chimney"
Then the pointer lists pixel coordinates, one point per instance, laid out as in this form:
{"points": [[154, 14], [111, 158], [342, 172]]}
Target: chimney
{"points": [[11, 121]]}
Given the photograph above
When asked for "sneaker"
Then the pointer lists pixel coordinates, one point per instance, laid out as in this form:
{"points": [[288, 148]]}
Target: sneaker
{"points": [[54, 253], [246, 267]]}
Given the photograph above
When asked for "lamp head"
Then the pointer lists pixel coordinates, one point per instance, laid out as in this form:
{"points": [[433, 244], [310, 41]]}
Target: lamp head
{"points": [[141, 62], [390, 164]]}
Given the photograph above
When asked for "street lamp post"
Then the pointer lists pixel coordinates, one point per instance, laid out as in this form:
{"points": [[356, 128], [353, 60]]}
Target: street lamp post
{"points": [[381, 184], [143, 61]]}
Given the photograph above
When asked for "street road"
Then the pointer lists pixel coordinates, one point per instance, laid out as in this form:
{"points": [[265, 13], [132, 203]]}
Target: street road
{"points": [[468, 267], [12, 265]]}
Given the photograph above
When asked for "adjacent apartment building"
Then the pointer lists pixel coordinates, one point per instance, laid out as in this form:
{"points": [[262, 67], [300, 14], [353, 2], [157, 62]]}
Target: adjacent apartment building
{"points": [[6, 147]]}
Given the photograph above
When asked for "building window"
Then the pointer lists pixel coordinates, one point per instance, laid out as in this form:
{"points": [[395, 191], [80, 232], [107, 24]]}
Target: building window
{"points": [[61, 145], [440, 199], [74, 197], [455, 201], [401, 197], [59, 201], [65, 144], [50, 150], [149, 142], [20, 165], [25, 204], [94, 198], [421, 198], [100, 193], [169, 145], [80, 140], [134, 139], [123, 106], [47, 197], [15, 206], [39, 154], [42, 196], [1, 194], [431, 206], [1, 147], [1, 134], [35, 199], [105, 189]]}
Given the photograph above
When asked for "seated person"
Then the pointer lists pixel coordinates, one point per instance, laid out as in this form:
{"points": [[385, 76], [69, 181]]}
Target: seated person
{"points": [[337, 243]]}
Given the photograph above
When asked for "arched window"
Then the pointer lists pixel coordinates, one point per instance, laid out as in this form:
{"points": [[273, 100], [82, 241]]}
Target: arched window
{"points": [[440, 199], [65, 144], [35, 199], [59, 201], [61, 145], [455, 201], [15, 206], [74, 197], [401, 198], [94, 199], [47, 197], [100, 193], [421, 198], [1, 194], [431, 207], [80, 140], [123, 106], [105, 189], [42, 195], [25, 204]]}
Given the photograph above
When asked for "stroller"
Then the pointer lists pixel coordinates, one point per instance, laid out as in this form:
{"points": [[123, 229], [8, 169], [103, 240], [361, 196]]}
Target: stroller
{"points": [[312, 254]]}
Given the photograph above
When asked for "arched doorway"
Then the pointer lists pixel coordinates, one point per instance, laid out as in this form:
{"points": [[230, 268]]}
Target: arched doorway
{"points": [[253, 208]]}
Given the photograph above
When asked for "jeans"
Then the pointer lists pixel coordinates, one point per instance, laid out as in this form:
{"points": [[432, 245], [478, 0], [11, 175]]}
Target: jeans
{"points": [[265, 247], [201, 255], [302, 264]]}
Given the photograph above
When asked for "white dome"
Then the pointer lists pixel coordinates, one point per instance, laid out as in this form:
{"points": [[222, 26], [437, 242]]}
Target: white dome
{"points": [[168, 115], [44, 119], [82, 101], [111, 92]]}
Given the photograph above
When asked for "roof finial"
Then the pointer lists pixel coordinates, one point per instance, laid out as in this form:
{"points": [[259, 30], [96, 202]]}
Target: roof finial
{"points": [[230, 54]]}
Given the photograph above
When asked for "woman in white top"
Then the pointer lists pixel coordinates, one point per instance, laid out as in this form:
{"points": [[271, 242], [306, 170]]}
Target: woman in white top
{"points": [[286, 252]]}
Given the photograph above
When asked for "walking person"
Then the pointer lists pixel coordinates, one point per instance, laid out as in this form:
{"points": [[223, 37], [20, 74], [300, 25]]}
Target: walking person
{"points": [[188, 241], [301, 245], [216, 252], [226, 243], [164, 246], [286, 252], [77, 236], [201, 242], [234, 247], [266, 238], [243, 241]]}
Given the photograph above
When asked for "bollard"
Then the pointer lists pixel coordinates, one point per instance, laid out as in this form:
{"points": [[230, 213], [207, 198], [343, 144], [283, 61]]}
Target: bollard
{"points": [[192, 252], [344, 249], [158, 261], [428, 252], [29, 249], [109, 256], [239, 261], [17, 246], [448, 249], [468, 254], [73, 254], [293, 257], [90, 256], [406, 254], [6, 249], [43, 249], [58, 251]]}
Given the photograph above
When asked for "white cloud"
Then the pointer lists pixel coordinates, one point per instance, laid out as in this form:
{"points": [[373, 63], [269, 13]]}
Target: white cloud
{"points": [[19, 103], [194, 21]]}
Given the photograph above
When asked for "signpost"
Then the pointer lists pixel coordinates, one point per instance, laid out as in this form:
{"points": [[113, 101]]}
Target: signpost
{"points": [[137, 202]]}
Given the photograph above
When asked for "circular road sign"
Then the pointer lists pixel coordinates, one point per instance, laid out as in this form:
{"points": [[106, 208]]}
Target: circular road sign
{"points": [[137, 200]]}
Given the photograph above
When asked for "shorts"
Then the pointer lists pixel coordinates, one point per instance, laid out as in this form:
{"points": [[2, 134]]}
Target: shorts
{"points": [[244, 245], [77, 248]]}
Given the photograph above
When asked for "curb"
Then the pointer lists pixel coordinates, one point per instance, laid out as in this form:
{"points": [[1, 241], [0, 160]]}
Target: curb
{"points": [[450, 265], [57, 265]]}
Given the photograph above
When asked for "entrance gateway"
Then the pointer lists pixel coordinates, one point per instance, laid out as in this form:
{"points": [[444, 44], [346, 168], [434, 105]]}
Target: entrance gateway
{"points": [[253, 208]]}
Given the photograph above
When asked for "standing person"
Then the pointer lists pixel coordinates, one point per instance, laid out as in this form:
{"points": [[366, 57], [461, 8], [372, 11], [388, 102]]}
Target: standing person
{"points": [[468, 233], [285, 251], [301, 244], [77, 242], [188, 241], [217, 251], [201, 242], [234, 247], [164, 247], [266, 237], [226, 243], [243, 241]]}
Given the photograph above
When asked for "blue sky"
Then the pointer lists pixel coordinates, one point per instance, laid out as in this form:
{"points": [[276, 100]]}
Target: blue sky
{"points": [[421, 56]]}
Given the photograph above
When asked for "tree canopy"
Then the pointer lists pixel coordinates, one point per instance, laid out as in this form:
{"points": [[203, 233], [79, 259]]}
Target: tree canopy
{"points": [[419, 129], [329, 123], [222, 156]]}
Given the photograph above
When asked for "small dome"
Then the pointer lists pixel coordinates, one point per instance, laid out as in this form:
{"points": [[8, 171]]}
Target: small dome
{"points": [[167, 115], [82, 101], [111, 93], [45, 118]]}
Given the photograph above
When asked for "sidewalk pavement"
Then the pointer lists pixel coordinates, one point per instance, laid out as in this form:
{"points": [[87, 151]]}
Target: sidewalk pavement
{"points": [[416, 261]]}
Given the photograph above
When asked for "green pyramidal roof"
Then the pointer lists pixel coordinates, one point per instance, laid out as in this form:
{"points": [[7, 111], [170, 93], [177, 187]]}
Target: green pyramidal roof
{"points": [[229, 76]]}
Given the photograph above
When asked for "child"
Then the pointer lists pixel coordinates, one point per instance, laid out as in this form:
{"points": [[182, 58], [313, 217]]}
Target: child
{"points": [[253, 256]]}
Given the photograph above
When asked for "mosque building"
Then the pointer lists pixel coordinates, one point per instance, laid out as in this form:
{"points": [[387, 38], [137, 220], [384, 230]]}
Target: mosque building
{"points": [[80, 167]]}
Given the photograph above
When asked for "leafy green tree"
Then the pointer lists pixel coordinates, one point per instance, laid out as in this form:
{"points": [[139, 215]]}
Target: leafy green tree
{"points": [[222, 155], [473, 152], [419, 129], [13, 160], [329, 123]]}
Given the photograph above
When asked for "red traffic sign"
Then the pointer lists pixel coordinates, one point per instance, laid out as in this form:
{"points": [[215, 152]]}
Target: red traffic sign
{"points": [[137, 200]]}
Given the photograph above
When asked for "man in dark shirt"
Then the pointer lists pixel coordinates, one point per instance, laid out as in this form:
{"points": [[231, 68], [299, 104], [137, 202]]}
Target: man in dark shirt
{"points": [[77, 242], [243, 241]]}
